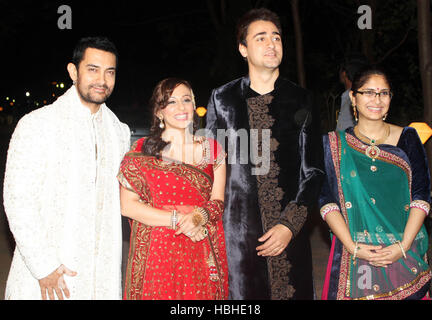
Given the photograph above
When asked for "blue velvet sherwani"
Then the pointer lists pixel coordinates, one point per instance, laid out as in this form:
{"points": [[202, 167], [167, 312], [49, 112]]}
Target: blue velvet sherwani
{"points": [[284, 195]]}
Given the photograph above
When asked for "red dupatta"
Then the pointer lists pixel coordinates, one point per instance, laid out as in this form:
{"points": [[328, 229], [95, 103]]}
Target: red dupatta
{"points": [[160, 265]]}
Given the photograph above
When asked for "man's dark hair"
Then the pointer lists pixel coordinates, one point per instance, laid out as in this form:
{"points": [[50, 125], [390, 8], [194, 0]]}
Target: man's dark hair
{"points": [[252, 16], [101, 43], [352, 65]]}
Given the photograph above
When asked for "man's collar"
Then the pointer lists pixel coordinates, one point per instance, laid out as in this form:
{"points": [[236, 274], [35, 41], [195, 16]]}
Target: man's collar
{"points": [[80, 108], [245, 84]]}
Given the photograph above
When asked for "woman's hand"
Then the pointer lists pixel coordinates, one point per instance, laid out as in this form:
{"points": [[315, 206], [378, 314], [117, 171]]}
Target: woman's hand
{"points": [[187, 227], [389, 254], [200, 235], [378, 256], [186, 224], [370, 253]]}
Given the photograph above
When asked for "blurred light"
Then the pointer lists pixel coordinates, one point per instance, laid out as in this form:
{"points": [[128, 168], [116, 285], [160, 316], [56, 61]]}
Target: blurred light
{"points": [[27, 94], [62, 85], [7, 98], [1, 108], [423, 130], [201, 111], [53, 94], [11, 104], [57, 85], [54, 83], [45, 102], [13, 100]]}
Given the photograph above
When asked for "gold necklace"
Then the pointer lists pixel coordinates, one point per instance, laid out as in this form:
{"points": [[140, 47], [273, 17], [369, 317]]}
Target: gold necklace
{"points": [[372, 151]]}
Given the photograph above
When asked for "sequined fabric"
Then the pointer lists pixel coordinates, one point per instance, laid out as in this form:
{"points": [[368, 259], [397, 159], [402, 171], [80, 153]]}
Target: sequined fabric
{"points": [[162, 266], [61, 197]]}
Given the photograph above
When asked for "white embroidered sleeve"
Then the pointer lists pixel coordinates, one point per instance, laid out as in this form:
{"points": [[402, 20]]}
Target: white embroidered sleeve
{"points": [[23, 189], [127, 137]]}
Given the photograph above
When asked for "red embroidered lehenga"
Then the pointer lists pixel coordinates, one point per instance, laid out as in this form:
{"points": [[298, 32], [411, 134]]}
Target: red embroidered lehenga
{"points": [[162, 266]]}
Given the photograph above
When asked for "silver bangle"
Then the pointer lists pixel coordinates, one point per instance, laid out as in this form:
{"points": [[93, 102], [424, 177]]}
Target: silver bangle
{"points": [[173, 219]]}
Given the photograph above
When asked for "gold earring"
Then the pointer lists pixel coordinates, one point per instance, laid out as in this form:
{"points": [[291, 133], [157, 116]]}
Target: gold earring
{"points": [[355, 113]]}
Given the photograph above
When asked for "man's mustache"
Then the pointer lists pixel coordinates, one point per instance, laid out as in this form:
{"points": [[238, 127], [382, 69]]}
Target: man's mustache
{"points": [[104, 86]]}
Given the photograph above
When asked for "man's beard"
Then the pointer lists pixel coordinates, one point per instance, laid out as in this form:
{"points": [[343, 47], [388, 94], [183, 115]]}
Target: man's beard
{"points": [[89, 98]]}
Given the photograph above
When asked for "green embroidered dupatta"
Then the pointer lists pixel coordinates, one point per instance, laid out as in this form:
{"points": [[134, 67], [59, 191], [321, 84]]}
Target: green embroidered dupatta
{"points": [[375, 198]]}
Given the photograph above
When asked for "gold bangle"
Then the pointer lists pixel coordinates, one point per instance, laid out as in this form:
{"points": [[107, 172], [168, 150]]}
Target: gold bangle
{"points": [[197, 219], [402, 249], [357, 248], [203, 214]]}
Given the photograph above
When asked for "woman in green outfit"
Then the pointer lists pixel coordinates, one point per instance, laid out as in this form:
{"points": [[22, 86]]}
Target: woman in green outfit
{"points": [[375, 199]]}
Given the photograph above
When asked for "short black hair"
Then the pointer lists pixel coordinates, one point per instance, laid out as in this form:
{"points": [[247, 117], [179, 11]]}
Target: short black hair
{"points": [[352, 65], [101, 43], [255, 15]]}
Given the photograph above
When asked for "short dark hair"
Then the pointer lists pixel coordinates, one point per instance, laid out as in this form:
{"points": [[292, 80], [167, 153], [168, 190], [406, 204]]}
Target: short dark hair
{"points": [[352, 65], [252, 16], [101, 43]]}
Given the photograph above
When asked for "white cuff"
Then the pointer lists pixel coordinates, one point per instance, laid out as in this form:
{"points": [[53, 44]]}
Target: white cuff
{"points": [[422, 205], [326, 209]]}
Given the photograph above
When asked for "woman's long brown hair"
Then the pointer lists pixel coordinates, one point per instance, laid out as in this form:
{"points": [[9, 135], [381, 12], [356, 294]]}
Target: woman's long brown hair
{"points": [[154, 144]]}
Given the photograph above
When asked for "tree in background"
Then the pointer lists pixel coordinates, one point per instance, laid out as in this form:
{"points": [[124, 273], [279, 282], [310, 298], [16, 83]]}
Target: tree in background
{"points": [[425, 58], [301, 73], [331, 33], [196, 40]]}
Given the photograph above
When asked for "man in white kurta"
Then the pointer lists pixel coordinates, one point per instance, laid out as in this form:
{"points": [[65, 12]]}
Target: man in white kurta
{"points": [[61, 198]]}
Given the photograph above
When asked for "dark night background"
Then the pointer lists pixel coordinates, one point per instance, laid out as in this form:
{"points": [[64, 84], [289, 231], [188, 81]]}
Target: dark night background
{"points": [[195, 40]]}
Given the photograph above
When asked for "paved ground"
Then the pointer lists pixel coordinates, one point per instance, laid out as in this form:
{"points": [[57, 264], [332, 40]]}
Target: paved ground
{"points": [[319, 236]]}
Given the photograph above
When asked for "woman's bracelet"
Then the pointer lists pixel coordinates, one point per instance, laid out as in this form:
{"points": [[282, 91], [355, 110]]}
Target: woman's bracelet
{"points": [[356, 249], [173, 219], [201, 216], [402, 249]]}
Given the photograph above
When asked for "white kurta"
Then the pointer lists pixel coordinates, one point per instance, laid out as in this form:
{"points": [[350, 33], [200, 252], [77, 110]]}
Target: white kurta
{"points": [[61, 197]]}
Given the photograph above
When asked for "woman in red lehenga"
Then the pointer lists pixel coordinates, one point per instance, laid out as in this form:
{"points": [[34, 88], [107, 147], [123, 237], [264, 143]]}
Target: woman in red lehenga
{"points": [[172, 189]]}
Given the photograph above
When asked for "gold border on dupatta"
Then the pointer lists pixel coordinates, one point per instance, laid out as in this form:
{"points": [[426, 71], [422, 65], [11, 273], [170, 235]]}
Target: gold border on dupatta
{"points": [[199, 180], [344, 282], [140, 233]]}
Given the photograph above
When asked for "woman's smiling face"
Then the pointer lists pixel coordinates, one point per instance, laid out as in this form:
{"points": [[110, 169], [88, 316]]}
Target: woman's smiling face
{"points": [[179, 111], [370, 105]]}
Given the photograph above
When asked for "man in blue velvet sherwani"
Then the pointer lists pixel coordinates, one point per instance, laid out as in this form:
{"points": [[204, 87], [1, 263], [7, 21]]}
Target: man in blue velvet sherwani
{"points": [[268, 195]]}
